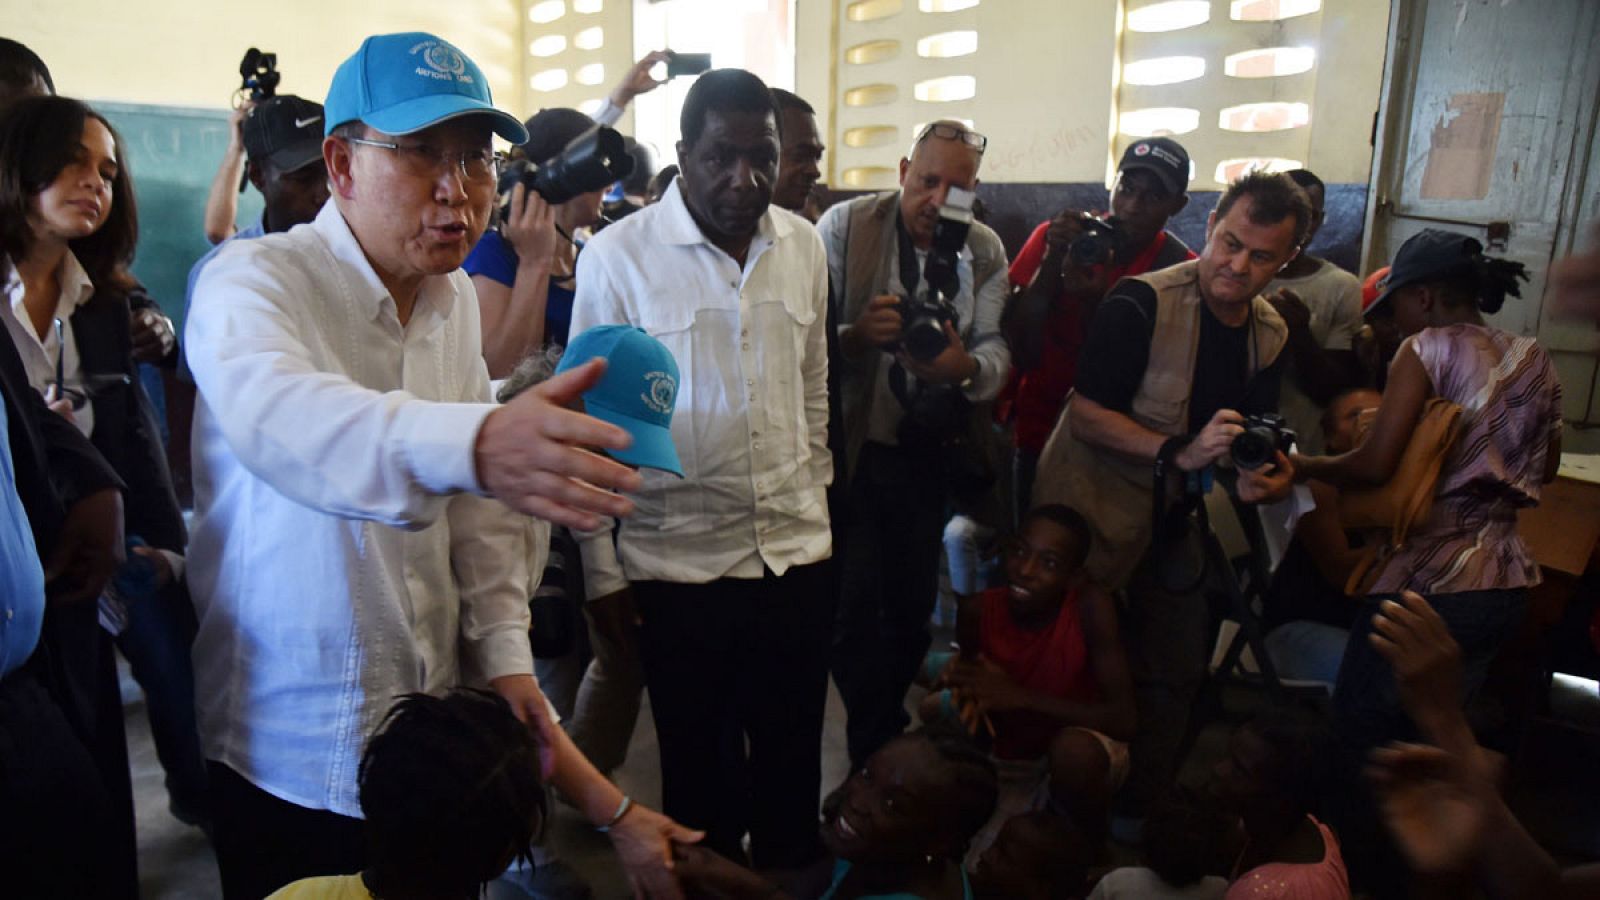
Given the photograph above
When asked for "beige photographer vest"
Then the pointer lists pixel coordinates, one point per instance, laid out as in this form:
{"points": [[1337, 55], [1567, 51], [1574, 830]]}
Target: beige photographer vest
{"points": [[871, 252], [1113, 491]]}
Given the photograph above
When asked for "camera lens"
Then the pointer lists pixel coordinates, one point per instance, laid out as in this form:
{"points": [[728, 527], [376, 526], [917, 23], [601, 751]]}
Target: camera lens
{"points": [[1254, 447], [924, 338], [1089, 249]]}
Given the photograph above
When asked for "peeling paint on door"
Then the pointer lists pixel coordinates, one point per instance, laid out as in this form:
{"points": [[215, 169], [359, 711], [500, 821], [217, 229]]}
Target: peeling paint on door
{"points": [[1462, 148]]}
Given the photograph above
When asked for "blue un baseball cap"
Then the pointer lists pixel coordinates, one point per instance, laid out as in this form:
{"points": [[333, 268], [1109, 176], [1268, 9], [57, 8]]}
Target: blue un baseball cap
{"points": [[637, 393], [401, 83]]}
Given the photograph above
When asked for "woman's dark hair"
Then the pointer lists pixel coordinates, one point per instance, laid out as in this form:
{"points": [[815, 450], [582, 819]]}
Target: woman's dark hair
{"points": [[40, 136], [451, 792], [1181, 839], [1479, 280], [723, 91], [1273, 198], [1070, 519], [975, 785]]}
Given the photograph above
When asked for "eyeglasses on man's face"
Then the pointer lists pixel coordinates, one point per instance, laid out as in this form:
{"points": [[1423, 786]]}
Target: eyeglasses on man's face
{"points": [[428, 160]]}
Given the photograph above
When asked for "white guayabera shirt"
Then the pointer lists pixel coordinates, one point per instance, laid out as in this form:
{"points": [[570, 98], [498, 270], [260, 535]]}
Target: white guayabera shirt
{"points": [[751, 421], [340, 554]]}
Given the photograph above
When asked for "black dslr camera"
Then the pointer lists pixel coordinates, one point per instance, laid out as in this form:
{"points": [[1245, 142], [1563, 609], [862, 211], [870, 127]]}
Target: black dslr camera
{"points": [[259, 74], [591, 161], [922, 319], [1100, 241], [1263, 437]]}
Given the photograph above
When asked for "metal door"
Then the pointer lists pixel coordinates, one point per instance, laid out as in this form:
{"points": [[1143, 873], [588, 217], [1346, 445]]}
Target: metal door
{"points": [[1487, 127]]}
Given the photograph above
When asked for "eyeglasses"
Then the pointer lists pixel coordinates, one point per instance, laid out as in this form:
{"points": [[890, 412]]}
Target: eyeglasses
{"points": [[482, 164], [954, 133]]}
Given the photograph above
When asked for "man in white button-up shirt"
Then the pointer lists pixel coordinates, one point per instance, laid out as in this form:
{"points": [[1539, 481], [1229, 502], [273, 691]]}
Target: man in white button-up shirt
{"points": [[895, 493], [346, 548], [727, 565]]}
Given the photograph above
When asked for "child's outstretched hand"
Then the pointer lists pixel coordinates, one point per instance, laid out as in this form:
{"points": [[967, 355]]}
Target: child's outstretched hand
{"points": [[1437, 804], [708, 872]]}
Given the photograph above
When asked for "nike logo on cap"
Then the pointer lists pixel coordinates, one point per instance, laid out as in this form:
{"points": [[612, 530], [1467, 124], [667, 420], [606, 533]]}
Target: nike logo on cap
{"points": [[301, 123]]}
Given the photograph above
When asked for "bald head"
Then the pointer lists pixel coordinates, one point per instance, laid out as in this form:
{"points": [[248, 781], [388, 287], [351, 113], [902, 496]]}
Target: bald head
{"points": [[945, 155]]}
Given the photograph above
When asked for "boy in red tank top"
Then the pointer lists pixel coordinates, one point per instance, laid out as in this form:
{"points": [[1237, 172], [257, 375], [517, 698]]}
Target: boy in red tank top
{"points": [[1050, 682]]}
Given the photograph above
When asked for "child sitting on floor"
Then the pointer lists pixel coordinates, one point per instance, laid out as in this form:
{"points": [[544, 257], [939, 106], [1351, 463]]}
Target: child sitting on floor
{"points": [[1181, 846], [451, 795], [1268, 779], [1036, 856], [1050, 681], [897, 829]]}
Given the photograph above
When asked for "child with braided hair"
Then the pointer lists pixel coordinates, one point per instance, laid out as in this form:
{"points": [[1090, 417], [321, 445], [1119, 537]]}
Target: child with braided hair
{"points": [[451, 795], [897, 829]]}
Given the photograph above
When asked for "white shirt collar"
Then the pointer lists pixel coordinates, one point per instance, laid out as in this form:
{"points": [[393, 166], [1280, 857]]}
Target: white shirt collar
{"points": [[76, 288]]}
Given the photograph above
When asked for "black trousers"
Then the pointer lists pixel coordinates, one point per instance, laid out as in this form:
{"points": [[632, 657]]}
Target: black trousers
{"points": [[264, 843], [57, 829], [738, 677], [889, 582]]}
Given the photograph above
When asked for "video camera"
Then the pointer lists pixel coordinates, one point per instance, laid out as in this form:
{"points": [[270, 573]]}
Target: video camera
{"points": [[259, 74], [922, 319], [1263, 437], [1100, 240], [593, 160]]}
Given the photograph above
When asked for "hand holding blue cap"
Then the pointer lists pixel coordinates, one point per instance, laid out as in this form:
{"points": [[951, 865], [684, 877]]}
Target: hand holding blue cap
{"points": [[637, 393]]}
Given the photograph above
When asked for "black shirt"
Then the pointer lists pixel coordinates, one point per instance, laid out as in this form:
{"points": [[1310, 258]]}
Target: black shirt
{"points": [[1114, 357]]}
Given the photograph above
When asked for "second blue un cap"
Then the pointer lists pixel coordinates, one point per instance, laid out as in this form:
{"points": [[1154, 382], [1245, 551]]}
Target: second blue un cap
{"points": [[402, 83], [637, 393]]}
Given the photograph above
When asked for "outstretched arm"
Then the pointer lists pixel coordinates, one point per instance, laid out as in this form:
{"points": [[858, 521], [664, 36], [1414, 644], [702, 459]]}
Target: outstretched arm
{"points": [[1375, 459]]}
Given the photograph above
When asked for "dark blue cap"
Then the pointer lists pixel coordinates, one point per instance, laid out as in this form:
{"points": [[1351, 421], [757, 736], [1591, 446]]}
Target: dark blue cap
{"points": [[1427, 253]]}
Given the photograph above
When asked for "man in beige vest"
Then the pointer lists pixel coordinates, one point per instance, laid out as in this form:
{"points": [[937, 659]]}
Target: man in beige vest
{"points": [[895, 489], [1174, 359]]}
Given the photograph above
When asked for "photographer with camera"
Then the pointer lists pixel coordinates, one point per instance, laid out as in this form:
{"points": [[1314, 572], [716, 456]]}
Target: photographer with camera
{"points": [[523, 266], [1063, 270], [1174, 363], [920, 289], [258, 81], [282, 139]]}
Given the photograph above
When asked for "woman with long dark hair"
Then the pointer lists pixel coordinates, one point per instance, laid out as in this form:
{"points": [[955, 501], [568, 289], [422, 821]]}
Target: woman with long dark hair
{"points": [[68, 227]]}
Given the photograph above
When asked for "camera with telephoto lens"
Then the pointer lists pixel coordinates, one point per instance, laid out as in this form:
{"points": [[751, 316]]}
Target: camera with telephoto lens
{"points": [[1263, 437], [596, 159], [259, 74], [1098, 242], [922, 318]]}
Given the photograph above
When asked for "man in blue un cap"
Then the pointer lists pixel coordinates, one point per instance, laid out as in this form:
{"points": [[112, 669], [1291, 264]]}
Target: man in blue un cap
{"points": [[352, 540]]}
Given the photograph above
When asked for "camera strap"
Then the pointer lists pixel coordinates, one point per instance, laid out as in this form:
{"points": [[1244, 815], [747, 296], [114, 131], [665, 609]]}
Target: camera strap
{"points": [[900, 381], [910, 275], [1170, 525]]}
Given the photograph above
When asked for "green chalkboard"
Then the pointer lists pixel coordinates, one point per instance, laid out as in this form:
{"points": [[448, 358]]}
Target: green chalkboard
{"points": [[173, 153]]}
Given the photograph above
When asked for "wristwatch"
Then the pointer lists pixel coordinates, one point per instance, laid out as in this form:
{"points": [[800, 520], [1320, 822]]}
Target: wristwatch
{"points": [[977, 367]]}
